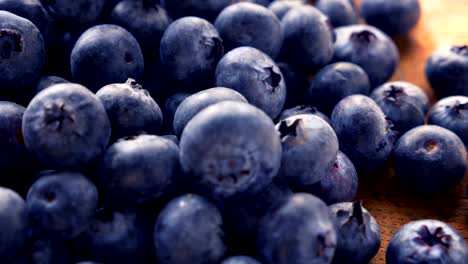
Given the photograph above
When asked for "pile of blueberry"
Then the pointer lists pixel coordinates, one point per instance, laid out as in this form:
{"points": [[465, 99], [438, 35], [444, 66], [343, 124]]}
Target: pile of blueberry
{"points": [[115, 147]]}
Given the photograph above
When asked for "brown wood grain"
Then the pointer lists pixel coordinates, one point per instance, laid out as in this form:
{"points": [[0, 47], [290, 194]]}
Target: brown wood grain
{"points": [[443, 23]]}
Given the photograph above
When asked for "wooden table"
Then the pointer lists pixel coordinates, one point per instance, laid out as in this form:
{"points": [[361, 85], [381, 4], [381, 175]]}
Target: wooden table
{"points": [[443, 23]]}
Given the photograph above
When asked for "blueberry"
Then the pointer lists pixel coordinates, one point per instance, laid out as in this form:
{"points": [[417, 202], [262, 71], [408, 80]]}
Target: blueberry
{"points": [[13, 154], [452, 114], [231, 149], [190, 49], [47, 81], [430, 159], [303, 110], [207, 9], [363, 131], [130, 109], [447, 71], [74, 13], [256, 76], [145, 19], [189, 231], [61, 205], [427, 241], [280, 8], [403, 109], [339, 184], [116, 237], [298, 231], [172, 138], [242, 218], [36, 13], [407, 91], [308, 38], [22, 53], [170, 108], [50, 251], [13, 224], [297, 83], [335, 82], [301, 137], [358, 233], [138, 170], [247, 24], [66, 127], [240, 260], [393, 17], [259, 2], [340, 12], [193, 104], [106, 54], [369, 48]]}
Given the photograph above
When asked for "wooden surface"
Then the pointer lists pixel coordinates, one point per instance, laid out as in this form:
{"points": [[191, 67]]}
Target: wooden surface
{"points": [[443, 23]]}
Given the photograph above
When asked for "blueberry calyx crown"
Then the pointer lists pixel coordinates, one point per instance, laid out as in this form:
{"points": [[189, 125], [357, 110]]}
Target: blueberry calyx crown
{"points": [[307, 108], [394, 93], [438, 237], [56, 113], [217, 48], [357, 212], [458, 107], [288, 130], [273, 78], [431, 145], [10, 41], [133, 83], [364, 36], [460, 50]]}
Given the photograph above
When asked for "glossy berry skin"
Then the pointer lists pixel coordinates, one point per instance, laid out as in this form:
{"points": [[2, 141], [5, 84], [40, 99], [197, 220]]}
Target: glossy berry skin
{"points": [[335, 82], [430, 159], [340, 12], [339, 184], [130, 109], [33, 11], [447, 71], [170, 108], [138, 170], [231, 149], [47, 81], [247, 24], [363, 131], [146, 20], [403, 103], [14, 224], [22, 53], [452, 114], [13, 154], [116, 237], [308, 38], [280, 8], [189, 231], [369, 48], [208, 10], [254, 75], [193, 104], [427, 241], [298, 231], [74, 13], [61, 205], [106, 54], [190, 49], [296, 81], [303, 110], [240, 260], [58, 119], [392, 17], [358, 233], [300, 136]]}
